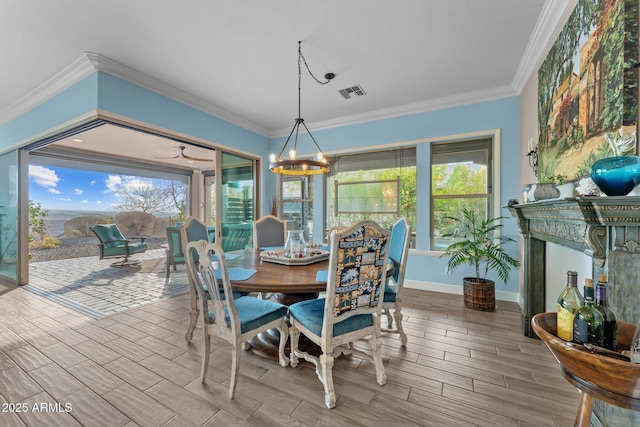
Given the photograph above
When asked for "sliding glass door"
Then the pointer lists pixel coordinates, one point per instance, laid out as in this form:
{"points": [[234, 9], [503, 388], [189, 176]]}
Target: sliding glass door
{"points": [[9, 236], [235, 202]]}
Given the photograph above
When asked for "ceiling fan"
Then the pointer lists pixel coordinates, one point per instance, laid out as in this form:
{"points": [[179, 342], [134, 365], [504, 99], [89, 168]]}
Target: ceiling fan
{"points": [[179, 150]]}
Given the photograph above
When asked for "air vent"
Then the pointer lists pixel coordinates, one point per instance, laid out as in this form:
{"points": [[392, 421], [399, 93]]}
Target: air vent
{"points": [[352, 91]]}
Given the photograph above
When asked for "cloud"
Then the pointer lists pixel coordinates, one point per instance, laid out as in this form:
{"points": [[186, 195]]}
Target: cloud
{"points": [[93, 181], [127, 183], [53, 191], [112, 183], [62, 199], [99, 202], [78, 191], [42, 176], [132, 184], [84, 201]]}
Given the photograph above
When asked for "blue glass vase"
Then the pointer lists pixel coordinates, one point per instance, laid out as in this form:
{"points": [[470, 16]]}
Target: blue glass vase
{"points": [[616, 176]]}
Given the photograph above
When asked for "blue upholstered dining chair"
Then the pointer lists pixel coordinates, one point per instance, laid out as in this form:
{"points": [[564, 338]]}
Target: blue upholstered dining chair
{"points": [[192, 231], [398, 252], [269, 231], [235, 320], [352, 306]]}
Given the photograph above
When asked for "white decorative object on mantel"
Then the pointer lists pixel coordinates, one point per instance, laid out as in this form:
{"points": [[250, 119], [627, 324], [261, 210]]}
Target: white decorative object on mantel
{"points": [[587, 188], [566, 189]]}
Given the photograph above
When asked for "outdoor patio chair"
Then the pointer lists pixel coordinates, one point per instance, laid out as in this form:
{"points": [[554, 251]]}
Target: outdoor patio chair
{"points": [[175, 248], [236, 237], [398, 252], [352, 306], [114, 245], [234, 319], [175, 251]]}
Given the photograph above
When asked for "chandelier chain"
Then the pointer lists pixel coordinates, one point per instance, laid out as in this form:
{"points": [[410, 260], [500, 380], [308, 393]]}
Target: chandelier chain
{"points": [[307, 66], [293, 166]]}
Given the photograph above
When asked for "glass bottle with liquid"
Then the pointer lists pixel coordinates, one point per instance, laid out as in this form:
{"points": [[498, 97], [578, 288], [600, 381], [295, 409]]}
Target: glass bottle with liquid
{"points": [[588, 323], [610, 321], [569, 302]]}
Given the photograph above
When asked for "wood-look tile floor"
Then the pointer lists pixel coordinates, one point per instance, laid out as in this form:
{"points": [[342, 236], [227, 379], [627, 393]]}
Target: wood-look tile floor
{"points": [[460, 368]]}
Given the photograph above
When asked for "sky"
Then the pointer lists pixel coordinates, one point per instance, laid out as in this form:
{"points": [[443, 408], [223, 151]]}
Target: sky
{"points": [[74, 189]]}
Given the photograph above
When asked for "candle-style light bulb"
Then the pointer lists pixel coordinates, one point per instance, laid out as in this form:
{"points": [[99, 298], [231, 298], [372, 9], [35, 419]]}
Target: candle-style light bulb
{"points": [[320, 156], [292, 154], [272, 157]]}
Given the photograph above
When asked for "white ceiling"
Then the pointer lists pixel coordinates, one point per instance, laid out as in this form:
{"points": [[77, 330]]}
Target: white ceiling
{"points": [[241, 56]]}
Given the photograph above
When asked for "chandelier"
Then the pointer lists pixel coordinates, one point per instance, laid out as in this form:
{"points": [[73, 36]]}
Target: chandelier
{"points": [[292, 165]]}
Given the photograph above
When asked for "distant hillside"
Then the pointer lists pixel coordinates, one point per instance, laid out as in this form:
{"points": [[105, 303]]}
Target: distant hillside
{"points": [[57, 217]]}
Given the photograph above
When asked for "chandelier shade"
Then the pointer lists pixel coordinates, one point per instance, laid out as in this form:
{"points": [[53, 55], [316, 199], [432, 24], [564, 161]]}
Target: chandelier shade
{"points": [[292, 165]]}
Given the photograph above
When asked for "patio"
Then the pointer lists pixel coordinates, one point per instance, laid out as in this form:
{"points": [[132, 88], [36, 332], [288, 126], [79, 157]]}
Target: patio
{"points": [[94, 288]]}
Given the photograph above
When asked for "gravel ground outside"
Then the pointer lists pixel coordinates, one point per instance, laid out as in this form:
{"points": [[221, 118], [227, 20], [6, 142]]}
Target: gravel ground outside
{"points": [[80, 247]]}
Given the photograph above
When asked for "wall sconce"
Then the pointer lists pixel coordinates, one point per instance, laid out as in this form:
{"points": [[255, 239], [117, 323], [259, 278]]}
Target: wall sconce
{"points": [[533, 156]]}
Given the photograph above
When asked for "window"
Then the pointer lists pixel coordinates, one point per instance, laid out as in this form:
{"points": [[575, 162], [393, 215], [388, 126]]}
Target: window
{"points": [[461, 176], [297, 203], [377, 185]]}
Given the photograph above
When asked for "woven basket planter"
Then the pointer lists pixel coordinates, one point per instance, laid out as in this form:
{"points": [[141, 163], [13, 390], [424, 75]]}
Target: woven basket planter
{"points": [[479, 294]]}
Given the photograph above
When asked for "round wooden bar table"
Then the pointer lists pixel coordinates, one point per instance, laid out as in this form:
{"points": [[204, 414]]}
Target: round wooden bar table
{"points": [[597, 376], [289, 283]]}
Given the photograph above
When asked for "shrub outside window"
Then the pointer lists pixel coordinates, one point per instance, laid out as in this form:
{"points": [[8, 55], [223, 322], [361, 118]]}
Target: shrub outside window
{"points": [[460, 177]]}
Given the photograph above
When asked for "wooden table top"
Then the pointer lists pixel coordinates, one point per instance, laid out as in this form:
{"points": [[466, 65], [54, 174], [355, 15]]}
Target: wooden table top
{"points": [[271, 277]]}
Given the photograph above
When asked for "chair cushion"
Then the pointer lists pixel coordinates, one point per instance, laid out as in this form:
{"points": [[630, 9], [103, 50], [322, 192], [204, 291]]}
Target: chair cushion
{"points": [[389, 294], [105, 234], [118, 249], [311, 313], [135, 248], [254, 312]]}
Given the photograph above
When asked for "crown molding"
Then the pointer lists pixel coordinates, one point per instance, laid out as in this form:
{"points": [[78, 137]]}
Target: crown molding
{"points": [[409, 109], [553, 16], [77, 70], [89, 62], [130, 75]]}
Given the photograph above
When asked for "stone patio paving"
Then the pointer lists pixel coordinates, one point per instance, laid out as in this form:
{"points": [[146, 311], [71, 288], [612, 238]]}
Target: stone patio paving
{"points": [[91, 286]]}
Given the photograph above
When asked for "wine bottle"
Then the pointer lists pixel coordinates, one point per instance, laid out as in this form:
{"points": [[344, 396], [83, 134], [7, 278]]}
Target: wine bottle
{"points": [[610, 322], [569, 302], [588, 323]]}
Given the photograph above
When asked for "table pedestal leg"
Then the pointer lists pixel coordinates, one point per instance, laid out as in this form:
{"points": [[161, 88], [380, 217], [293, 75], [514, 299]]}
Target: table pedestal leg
{"points": [[583, 417], [266, 343]]}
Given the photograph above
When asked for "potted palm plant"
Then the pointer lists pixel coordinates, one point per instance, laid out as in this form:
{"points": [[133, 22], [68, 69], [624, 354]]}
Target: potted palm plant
{"points": [[477, 242]]}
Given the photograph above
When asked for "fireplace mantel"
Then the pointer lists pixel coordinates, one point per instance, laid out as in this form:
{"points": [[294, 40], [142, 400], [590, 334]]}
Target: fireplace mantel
{"points": [[605, 228]]}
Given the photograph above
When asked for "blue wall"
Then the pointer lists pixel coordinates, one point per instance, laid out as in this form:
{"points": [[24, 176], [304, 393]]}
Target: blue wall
{"points": [[105, 92], [77, 100], [503, 114], [124, 98]]}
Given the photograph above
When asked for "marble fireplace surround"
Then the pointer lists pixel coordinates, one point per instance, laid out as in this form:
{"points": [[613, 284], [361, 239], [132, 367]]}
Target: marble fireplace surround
{"points": [[605, 228]]}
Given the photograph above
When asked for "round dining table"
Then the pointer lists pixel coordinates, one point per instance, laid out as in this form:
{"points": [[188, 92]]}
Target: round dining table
{"points": [[288, 283], [285, 280]]}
